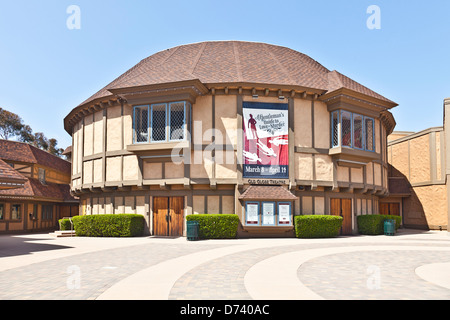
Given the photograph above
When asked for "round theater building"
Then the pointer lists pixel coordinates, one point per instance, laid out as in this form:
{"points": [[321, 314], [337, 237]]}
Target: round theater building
{"points": [[245, 128]]}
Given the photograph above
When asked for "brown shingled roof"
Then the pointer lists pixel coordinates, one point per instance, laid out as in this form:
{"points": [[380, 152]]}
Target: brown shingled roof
{"points": [[24, 152], [33, 188], [233, 62], [10, 178], [267, 193]]}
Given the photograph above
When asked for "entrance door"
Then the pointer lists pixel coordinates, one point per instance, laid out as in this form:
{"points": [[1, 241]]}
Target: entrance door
{"points": [[168, 216], [343, 208]]}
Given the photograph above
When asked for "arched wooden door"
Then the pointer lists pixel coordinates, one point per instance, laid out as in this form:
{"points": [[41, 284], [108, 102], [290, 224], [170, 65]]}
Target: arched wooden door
{"points": [[168, 216], [343, 208]]}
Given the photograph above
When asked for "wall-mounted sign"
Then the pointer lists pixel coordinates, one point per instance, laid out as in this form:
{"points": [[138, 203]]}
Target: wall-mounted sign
{"points": [[266, 140], [284, 213], [252, 213], [268, 213], [274, 182]]}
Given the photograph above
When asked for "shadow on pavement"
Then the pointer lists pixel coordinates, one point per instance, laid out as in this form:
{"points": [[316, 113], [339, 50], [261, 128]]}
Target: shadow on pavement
{"points": [[17, 245]]}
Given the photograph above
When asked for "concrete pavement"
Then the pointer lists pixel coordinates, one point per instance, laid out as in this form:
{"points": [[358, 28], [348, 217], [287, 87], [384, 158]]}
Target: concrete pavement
{"points": [[410, 265]]}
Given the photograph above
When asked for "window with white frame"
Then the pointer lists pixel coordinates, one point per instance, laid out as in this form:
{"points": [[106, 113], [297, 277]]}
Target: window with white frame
{"points": [[161, 122], [352, 130]]}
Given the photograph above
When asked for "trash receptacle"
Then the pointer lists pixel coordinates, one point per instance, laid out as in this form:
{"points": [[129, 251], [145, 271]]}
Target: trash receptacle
{"points": [[389, 227], [192, 230]]}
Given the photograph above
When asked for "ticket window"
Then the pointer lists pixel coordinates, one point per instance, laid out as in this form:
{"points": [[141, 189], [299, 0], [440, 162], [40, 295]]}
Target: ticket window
{"points": [[268, 213]]}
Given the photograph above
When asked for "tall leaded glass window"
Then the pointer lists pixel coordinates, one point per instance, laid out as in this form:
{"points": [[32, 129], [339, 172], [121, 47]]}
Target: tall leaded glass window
{"points": [[352, 130], [357, 131], [346, 128], [369, 128], [335, 129], [141, 124], [177, 121], [159, 122]]}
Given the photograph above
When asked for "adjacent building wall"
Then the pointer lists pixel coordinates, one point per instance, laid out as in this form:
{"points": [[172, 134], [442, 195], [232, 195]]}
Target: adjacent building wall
{"points": [[420, 157]]}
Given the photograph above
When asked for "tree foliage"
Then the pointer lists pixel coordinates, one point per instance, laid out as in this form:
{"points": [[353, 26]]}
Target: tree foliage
{"points": [[12, 126]]}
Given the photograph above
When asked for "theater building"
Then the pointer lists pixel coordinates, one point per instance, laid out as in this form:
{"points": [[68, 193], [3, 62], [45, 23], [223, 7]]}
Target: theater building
{"points": [[34, 189], [251, 129]]}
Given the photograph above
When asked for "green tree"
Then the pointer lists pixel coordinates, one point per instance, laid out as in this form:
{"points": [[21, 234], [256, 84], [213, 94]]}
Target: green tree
{"points": [[53, 149], [10, 124]]}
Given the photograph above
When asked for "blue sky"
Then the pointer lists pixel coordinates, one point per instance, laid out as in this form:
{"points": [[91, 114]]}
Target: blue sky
{"points": [[47, 69]]}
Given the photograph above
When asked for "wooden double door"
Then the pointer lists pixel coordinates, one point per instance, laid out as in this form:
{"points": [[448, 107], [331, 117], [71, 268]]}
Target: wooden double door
{"points": [[390, 209], [168, 216], [343, 208]]}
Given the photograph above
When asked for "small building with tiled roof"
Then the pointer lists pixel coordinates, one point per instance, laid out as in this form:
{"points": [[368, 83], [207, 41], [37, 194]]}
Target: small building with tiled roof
{"points": [[190, 129], [34, 188]]}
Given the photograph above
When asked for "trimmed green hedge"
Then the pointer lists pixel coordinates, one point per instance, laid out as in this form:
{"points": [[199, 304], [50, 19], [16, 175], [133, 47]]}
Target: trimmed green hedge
{"points": [[216, 226], [109, 225], [317, 226], [64, 224], [373, 224]]}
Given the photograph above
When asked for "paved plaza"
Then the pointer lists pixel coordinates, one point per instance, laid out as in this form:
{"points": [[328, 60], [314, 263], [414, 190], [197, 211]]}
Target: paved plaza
{"points": [[412, 265]]}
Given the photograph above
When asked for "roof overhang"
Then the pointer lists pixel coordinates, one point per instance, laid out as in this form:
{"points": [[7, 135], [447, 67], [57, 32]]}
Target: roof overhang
{"points": [[360, 99]]}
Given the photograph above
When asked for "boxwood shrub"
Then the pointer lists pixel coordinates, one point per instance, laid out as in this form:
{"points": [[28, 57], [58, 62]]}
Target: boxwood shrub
{"points": [[109, 225], [317, 226], [373, 224], [64, 224], [216, 226]]}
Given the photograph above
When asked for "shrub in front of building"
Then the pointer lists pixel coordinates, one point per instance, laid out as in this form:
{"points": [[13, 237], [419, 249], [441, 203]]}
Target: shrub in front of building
{"points": [[64, 224], [317, 226], [373, 224], [109, 225], [216, 226]]}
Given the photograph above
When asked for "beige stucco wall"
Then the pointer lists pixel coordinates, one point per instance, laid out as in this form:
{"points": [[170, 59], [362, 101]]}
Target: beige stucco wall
{"points": [[321, 125], [226, 167], [357, 175], [303, 166], [420, 159], [127, 126], [399, 158], [427, 206], [202, 119], [202, 165], [173, 170], [226, 119], [130, 168], [198, 204], [113, 167], [324, 167], [114, 128], [88, 136], [98, 132], [302, 125], [152, 170], [343, 174], [307, 205]]}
